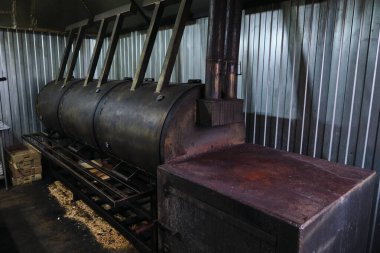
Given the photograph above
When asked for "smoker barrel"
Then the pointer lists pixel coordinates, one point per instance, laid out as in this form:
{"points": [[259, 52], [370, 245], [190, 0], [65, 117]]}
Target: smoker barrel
{"points": [[48, 102], [78, 105], [141, 127]]}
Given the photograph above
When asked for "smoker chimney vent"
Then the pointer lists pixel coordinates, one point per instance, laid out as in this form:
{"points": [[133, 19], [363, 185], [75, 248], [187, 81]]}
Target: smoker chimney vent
{"points": [[221, 106]]}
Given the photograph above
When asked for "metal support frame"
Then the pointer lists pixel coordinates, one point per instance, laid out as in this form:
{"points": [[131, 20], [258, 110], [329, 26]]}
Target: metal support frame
{"points": [[77, 25], [138, 242], [74, 55], [111, 49], [66, 158], [112, 13], [65, 57], [148, 45], [98, 48], [119, 14], [139, 205], [141, 11], [104, 19], [175, 41]]}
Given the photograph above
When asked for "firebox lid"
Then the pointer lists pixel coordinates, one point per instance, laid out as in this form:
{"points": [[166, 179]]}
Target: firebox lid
{"points": [[286, 186]]}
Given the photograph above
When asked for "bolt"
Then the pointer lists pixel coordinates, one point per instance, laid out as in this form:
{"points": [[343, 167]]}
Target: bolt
{"points": [[160, 98]]}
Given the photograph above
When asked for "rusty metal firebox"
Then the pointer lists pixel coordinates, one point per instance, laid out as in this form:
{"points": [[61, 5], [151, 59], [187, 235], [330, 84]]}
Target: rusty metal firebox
{"points": [[271, 202]]}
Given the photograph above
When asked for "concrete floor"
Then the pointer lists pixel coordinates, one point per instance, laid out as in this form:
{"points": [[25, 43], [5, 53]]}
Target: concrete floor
{"points": [[29, 223]]}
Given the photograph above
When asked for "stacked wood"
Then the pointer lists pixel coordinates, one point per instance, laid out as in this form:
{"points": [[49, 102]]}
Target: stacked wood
{"points": [[24, 164]]}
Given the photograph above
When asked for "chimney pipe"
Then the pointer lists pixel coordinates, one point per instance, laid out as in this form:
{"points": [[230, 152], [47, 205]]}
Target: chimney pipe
{"points": [[220, 106], [232, 43], [215, 49]]}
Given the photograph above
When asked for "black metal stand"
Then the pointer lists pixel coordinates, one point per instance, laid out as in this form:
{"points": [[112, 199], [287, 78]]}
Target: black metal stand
{"points": [[125, 197]]}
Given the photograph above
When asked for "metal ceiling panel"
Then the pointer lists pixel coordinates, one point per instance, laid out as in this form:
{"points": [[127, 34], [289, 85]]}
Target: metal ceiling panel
{"points": [[55, 15]]}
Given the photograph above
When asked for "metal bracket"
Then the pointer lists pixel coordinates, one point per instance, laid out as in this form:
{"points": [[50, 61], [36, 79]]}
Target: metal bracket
{"points": [[98, 48], [80, 27], [148, 45], [111, 49], [75, 54], [175, 42], [141, 11], [65, 57]]}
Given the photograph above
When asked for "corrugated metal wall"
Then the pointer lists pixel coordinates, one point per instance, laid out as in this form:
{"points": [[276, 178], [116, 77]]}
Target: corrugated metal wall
{"points": [[311, 79], [28, 61], [310, 75]]}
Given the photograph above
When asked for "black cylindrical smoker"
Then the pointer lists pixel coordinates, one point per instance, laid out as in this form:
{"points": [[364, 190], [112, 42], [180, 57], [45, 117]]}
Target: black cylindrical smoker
{"points": [[260, 200], [142, 126]]}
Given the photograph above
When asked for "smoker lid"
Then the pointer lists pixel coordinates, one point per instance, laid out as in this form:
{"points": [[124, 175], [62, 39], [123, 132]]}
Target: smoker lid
{"points": [[288, 186]]}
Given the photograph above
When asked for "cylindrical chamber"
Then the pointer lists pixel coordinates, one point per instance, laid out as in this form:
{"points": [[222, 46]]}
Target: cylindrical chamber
{"points": [[141, 127]]}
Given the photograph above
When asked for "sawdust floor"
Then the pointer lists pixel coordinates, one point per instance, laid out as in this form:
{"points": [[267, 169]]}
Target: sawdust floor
{"points": [[31, 220]]}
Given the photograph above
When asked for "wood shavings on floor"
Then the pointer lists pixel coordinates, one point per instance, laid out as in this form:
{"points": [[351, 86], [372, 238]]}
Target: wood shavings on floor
{"points": [[104, 234]]}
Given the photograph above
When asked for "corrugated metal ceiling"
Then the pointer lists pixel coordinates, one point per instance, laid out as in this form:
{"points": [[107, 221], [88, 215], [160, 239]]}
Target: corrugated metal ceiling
{"points": [[55, 15]]}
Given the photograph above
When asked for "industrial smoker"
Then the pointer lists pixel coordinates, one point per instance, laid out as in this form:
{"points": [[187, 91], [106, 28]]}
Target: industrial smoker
{"points": [[178, 176]]}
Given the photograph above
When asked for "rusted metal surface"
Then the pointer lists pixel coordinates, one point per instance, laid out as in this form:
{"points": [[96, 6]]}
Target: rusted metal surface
{"points": [[181, 137], [148, 129], [223, 49], [304, 204], [138, 126], [220, 112], [221, 106]]}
